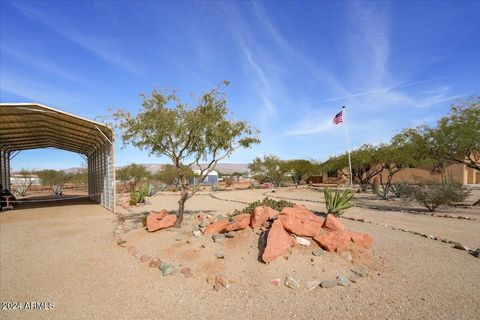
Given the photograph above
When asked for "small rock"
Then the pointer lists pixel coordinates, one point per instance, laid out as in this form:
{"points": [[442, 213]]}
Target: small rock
{"points": [[276, 282], [360, 271], [121, 241], [220, 282], [187, 272], [220, 255], [292, 283], [178, 239], [460, 246], [318, 252], [328, 284], [445, 240], [342, 281], [155, 263], [302, 241], [229, 235], [197, 233], [166, 268], [310, 285], [221, 218], [476, 253], [347, 256], [218, 237]]}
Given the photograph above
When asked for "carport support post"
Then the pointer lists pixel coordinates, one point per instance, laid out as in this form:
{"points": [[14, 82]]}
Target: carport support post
{"points": [[5, 169]]}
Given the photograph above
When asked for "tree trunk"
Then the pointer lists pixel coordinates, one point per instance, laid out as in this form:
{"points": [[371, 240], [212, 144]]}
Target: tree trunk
{"points": [[181, 209]]}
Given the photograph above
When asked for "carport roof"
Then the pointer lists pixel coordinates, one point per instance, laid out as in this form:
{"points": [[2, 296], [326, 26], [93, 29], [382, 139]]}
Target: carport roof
{"points": [[26, 126]]}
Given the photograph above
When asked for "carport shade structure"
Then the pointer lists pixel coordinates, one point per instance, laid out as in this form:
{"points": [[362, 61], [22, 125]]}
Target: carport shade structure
{"points": [[26, 126]]}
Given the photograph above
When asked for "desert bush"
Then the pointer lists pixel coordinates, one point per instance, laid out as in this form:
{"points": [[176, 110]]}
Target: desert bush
{"points": [[402, 189], [274, 204], [433, 194], [229, 181], [338, 201]]}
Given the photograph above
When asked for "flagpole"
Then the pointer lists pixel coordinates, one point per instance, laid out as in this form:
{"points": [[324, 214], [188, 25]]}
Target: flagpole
{"points": [[344, 109]]}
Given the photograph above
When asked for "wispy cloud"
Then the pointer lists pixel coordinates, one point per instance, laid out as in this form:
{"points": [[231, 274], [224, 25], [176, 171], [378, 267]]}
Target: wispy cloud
{"points": [[266, 91], [35, 91], [369, 86], [368, 92], [44, 65], [103, 47]]}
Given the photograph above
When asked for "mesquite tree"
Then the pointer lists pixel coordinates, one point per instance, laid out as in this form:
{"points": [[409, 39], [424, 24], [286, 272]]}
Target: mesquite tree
{"points": [[300, 169], [366, 164], [187, 135], [271, 168]]}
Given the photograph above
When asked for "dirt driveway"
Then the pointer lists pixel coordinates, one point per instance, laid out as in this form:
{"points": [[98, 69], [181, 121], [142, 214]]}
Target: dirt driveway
{"points": [[66, 255]]}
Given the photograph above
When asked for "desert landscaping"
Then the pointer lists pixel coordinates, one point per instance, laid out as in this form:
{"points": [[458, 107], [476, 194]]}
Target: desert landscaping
{"points": [[239, 160], [79, 252]]}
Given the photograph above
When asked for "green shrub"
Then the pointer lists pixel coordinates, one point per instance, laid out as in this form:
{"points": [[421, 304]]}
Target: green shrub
{"points": [[433, 194], [402, 190], [274, 204], [338, 201]]}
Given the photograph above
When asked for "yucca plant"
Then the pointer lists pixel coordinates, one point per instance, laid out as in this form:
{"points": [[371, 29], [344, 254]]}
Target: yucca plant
{"points": [[338, 201]]}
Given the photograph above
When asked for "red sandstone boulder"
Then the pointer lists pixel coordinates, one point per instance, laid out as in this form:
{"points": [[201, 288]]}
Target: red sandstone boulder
{"points": [[333, 223], [301, 221], [334, 241], [242, 221], [260, 215], [278, 242], [362, 239], [216, 227], [154, 222]]}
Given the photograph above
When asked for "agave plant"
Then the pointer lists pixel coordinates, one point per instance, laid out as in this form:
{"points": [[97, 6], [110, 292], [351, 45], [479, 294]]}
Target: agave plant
{"points": [[338, 201]]}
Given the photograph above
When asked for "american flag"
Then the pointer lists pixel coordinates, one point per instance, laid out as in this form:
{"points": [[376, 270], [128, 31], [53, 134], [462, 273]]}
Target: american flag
{"points": [[338, 118]]}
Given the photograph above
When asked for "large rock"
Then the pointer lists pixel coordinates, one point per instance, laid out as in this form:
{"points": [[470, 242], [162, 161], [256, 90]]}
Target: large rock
{"points": [[340, 240], [241, 222], [216, 227], [332, 223], [301, 221], [160, 221], [333, 241], [278, 242], [261, 215]]}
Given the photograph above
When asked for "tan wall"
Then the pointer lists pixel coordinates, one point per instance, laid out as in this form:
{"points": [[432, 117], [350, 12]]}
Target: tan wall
{"points": [[410, 175], [457, 171]]}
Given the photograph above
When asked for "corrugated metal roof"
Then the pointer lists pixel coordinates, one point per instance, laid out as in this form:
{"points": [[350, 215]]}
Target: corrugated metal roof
{"points": [[26, 126]]}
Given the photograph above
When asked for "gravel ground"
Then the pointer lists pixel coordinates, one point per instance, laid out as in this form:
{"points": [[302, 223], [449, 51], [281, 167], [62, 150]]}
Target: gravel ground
{"points": [[66, 254]]}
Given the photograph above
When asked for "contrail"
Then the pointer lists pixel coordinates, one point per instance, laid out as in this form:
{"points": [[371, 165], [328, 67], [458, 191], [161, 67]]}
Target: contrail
{"points": [[400, 85]]}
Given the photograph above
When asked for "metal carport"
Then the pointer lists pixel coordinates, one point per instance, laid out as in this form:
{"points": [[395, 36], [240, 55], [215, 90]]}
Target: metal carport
{"points": [[25, 126]]}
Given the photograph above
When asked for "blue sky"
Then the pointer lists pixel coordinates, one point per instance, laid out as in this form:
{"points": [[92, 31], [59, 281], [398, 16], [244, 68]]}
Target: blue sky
{"points": [[292, 65]]}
